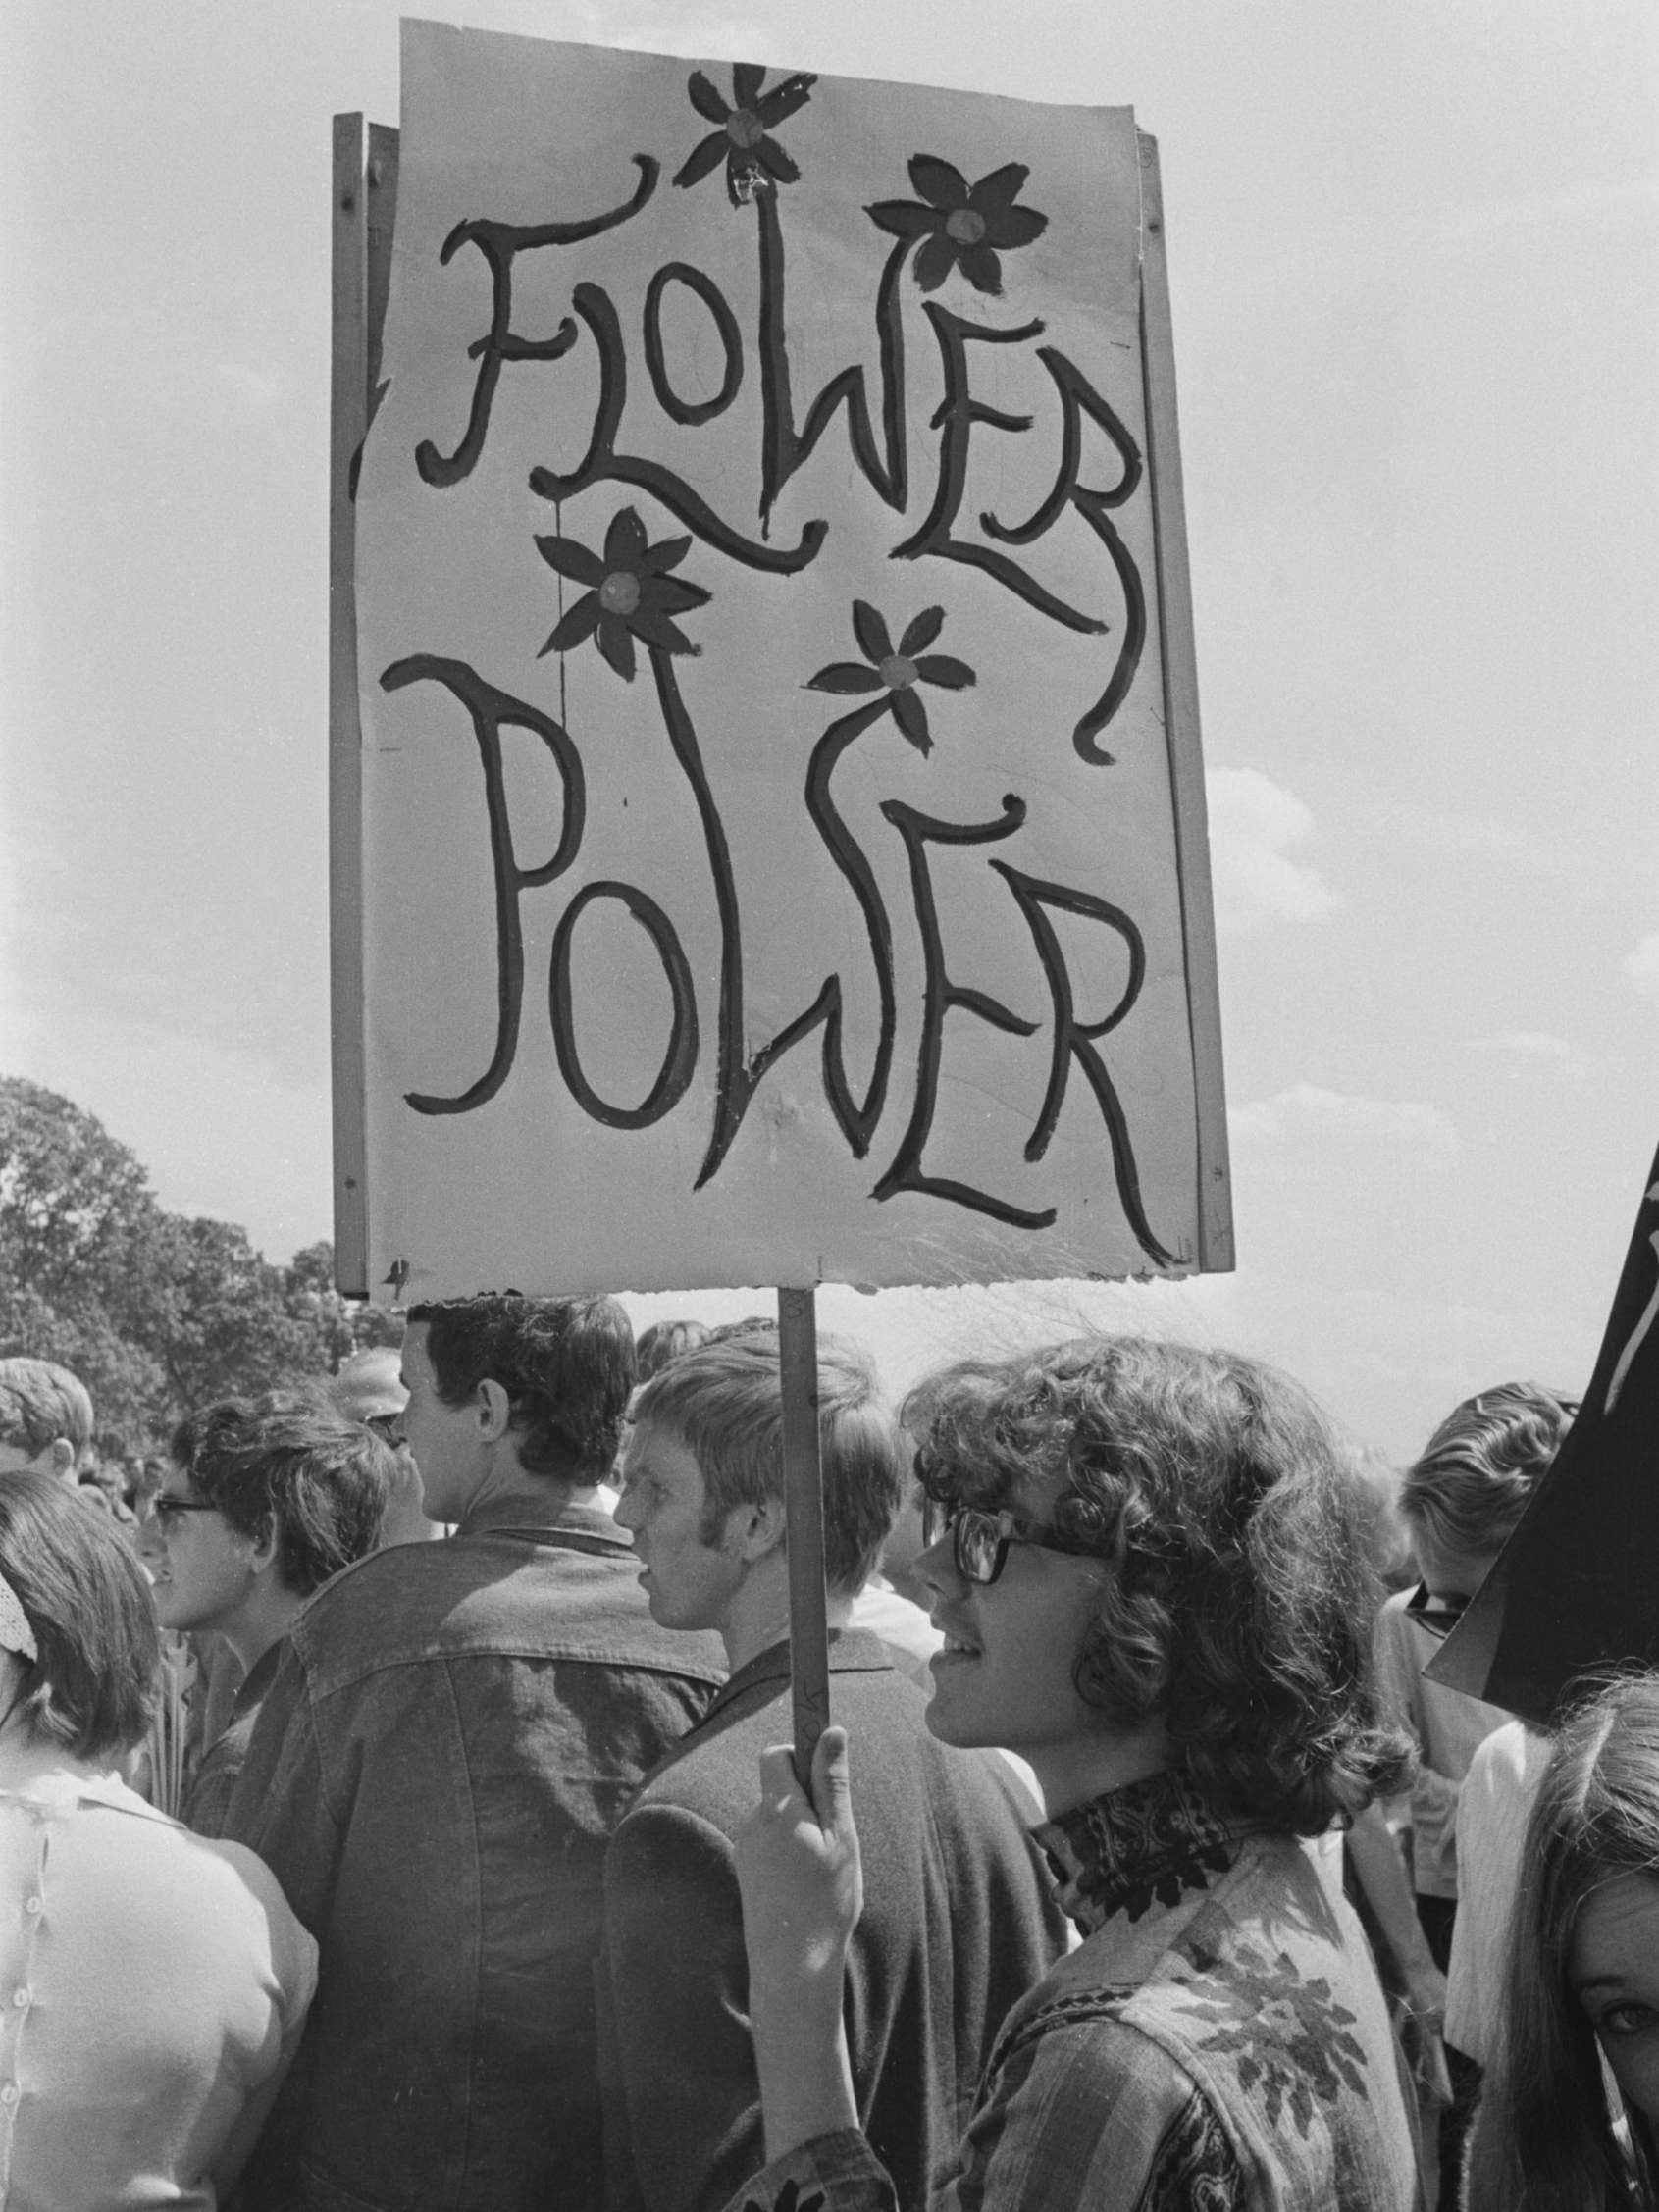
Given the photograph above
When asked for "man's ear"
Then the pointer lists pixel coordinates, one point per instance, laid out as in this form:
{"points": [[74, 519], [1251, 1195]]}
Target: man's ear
{"points": [[262, 1545], [759, 1529], [62, 1458], [494, 1410]]}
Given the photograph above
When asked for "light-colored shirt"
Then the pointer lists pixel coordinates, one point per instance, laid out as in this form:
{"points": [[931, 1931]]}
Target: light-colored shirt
{"points": [[903, 1627], [1493, 1807], [1447, 1727], [152, 1989]]}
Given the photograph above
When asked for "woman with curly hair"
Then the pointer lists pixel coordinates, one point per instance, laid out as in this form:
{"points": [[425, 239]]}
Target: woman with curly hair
{"points": [[1147, 1571], [1584, 1978]]}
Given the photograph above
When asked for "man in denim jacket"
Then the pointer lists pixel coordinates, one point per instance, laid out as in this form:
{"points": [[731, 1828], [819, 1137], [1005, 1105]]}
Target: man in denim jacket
{"points": [[457, 1729]]}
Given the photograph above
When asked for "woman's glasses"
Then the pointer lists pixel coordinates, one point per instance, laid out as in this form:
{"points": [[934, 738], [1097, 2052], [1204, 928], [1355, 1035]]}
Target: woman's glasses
{"points": [[981, 1540], [387, 1427]]}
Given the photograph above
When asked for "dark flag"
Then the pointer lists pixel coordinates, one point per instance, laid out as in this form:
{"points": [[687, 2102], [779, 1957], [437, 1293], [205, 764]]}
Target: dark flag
{"points": [[1577, 1586]]}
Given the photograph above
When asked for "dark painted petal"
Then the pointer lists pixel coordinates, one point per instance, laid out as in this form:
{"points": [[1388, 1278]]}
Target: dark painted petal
{"points": [[983, 271], [675, 593], [937, 182], [576, 623], [951, 675], [911, 717], [844, 676], [666, 554], [905, 218], [1015, 227], [874, 642], [746, 80], [652, 626], [995, 192], [616, 643], [922, 632], [771, 157], [785, 99], [571, 559], [625, 541], [707, 102], [707, 155], [935, 261]]}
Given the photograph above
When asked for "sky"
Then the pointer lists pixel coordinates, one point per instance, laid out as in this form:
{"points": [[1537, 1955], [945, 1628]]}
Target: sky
{"points": [[1413, 256]]}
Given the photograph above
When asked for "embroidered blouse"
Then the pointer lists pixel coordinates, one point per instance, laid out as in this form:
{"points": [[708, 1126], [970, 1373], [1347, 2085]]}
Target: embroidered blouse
{"points": [[1217, 2042]]}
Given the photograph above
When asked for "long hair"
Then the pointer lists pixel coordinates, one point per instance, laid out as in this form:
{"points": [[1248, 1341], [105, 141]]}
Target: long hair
{"points": [[1240, 1609], [1544, 2140], [84, 1593]]}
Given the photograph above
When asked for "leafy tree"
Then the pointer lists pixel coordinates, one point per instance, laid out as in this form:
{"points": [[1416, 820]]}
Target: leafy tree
{"points": [[155, 1312]]}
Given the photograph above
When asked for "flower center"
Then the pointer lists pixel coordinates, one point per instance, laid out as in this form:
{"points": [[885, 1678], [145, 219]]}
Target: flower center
{"points": [[896, 672], [619, 593], [967, 226], [744, 128]]}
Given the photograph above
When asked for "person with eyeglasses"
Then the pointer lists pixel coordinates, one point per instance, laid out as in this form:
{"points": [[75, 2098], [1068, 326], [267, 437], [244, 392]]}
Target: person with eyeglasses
{"points": [[1460, 1501], [368, 1387], [155, 1982], [1147, 1566], [266, 1498]]}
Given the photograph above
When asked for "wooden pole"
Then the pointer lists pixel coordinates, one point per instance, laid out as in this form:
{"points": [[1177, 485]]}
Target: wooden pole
{"points": [[1182, 726], [803, 1499], [348, 413]]}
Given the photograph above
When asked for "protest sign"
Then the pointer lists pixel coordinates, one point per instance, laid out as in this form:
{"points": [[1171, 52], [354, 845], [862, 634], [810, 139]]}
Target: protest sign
{"points": [[1573, 1589], [769, 832]]}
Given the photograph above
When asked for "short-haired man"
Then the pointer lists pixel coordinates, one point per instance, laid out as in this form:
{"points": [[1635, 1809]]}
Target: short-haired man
{"points": [[266, 1499], [453, 1735], [46, 1419], [957, 1921]]}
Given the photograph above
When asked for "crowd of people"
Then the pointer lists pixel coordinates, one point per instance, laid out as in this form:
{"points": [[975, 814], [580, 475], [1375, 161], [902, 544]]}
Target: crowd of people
{"points": [[394, 1810]]}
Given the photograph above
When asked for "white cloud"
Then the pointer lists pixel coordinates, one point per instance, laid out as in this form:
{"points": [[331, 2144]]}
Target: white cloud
{"points": [[1529, 1051], [1259, 834], [1309, 1119], [1642, 967]]}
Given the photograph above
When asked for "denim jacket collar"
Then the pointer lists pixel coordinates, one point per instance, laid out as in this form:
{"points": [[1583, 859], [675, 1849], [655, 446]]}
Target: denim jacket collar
{"points": [[545, 1514], [1144, 1844]]}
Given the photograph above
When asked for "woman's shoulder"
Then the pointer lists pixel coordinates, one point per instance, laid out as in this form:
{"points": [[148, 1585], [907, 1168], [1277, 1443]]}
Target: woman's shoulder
{"points": [[114, 1861]]}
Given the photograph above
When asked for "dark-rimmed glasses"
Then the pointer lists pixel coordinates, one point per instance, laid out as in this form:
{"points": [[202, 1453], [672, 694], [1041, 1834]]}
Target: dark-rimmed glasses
{"points": [[981, 1540], [388, 1427], [167, 1509], [1438, 1615]]}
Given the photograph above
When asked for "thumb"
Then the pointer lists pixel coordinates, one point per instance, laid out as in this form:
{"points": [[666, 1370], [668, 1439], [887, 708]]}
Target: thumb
{"points": [[832, 1780]]}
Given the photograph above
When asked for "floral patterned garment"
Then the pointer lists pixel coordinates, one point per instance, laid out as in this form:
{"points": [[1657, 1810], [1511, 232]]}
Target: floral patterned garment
{"points": [[1217, 2042]]}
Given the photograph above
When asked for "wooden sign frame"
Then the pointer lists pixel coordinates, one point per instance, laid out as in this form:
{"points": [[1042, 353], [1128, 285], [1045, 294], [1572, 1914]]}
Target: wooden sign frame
{"points": [[365, 196]]}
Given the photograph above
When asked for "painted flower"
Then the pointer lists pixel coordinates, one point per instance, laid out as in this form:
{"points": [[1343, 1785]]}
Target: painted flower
{"points": [[965, 225], [900, 672], [630, 593], [744, 140]]}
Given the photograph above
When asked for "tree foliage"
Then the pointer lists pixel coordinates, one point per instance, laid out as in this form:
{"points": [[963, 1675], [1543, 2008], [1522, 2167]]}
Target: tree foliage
{"points": [[156, 1313]]}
